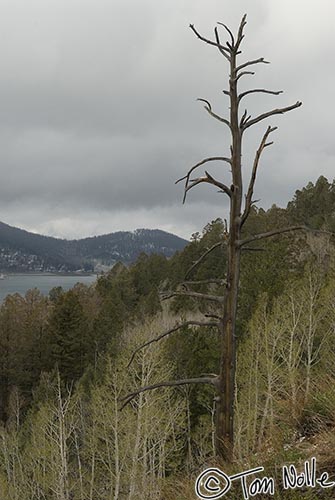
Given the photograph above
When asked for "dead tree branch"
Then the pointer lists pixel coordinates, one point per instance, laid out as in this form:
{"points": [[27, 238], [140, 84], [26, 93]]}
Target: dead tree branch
{"points": [[240, 35], [169, 332], [268, 234], [173, 383], [278, 111], [250, 63], [244, 73], [205, 282], [209, 179], [202, 162], [217, 38], [250, 192], [208, 108], [224, 50], [186, 293], [230, 34], [244, 119], [197, 165], [263, 91], [262, 236], [202, 257]]}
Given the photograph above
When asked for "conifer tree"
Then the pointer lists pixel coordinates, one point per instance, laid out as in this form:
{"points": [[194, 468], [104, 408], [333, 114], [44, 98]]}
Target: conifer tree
{"points": [[70, 342]]}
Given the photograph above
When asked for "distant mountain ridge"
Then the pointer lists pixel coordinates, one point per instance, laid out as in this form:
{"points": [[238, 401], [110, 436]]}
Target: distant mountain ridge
{"points": [[22, 251]]}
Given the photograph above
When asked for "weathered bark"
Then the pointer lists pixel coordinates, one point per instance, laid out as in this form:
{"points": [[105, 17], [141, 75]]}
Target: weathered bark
{"points": [[225, 397]]}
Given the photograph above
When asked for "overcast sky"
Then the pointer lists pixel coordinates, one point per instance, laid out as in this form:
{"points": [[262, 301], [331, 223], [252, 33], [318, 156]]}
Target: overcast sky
{"points": [[98, 110]]}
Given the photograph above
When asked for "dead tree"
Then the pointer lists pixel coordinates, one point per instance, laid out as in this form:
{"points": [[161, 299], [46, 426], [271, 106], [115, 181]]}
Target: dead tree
{"points": [[225, 321]]}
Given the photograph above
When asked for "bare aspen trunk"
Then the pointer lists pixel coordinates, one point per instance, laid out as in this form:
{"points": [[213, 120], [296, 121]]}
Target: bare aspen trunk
{"points": [[313, 292], [92, 476], [117, 449], [136, 451], [80, 469], [189, 446], [294, 356], [270, 343], [63, 472], [254, 398]]}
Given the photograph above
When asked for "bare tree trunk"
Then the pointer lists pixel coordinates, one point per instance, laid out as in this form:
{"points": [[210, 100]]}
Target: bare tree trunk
{"points": [[136, 450], [92, 474], [80, 469], [117, 449], [225, 399], [63, 452], [225, 396]]}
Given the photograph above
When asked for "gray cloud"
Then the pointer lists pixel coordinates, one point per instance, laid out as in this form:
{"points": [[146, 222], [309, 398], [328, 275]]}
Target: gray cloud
{"points": [[98, 116]]}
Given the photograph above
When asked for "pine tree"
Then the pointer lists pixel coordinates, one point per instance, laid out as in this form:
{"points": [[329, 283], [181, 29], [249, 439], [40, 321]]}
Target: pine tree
{"points": [[70, 341]]}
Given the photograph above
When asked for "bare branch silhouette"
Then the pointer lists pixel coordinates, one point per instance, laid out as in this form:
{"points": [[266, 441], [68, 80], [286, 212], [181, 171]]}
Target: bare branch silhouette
{"points": [[169, 332], [174, 383]]}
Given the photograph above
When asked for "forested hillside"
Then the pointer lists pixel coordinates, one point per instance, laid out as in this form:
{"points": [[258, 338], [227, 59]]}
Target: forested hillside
{"points": [[22, 251], [65, 368]]}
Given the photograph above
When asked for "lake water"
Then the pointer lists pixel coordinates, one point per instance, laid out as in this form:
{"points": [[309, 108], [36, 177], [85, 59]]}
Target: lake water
{"points": [[20, 283]]}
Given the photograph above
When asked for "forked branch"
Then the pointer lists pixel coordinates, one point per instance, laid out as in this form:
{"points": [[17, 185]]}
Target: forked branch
{"points": [[173, 383], [202, 162], [217, 38], [244, 118], [240, 35], [197, 165], [248, 199], [209, 179], [186, 324], [230, 48], [278, 111], [224, 50]]}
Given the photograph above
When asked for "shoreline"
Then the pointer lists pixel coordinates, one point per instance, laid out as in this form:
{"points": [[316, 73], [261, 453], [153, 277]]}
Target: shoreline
{"points": [[35, 273]]}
